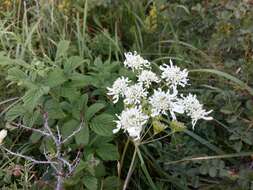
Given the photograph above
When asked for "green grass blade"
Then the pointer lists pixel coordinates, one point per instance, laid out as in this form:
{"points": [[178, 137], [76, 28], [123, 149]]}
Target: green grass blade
{"points": [[224, 156], [173, 180], [145, 171], [226, 76], [204, 142]]}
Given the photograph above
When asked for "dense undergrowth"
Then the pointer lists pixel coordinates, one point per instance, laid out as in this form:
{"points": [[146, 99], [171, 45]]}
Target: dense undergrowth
{"points": [[59, 57]]}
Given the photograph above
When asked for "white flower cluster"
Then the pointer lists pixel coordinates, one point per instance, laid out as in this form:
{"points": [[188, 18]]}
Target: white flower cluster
{"points": [[131, 120], [118, 88], [194, 109], [135, 61], [143, 102], [173, 75]]}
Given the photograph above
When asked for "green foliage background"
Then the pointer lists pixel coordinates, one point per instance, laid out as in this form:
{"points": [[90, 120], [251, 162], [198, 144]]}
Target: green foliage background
{"points": [[61, 56]]}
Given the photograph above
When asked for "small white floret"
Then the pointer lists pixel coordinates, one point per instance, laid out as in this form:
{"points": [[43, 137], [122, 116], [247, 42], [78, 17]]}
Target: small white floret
{"points": [[118, 88], [135, 62], [194, 109], [147, 77], [134, 94], [132, 121], [161, 102], [173, 75]]}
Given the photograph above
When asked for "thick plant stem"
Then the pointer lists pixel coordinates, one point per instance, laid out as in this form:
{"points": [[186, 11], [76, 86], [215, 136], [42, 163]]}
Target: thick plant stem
{"points": [[59, 183], [130, 171]]}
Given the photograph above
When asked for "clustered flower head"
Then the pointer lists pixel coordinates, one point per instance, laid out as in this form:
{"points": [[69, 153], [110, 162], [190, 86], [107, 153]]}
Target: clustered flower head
{"points": [[135, 62], [173, 75], [151, 96], [118, 88], [194, 109], [132, 120]]}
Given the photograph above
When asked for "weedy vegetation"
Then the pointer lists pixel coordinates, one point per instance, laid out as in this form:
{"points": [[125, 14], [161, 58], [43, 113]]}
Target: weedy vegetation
{"points": [[108, 94]]}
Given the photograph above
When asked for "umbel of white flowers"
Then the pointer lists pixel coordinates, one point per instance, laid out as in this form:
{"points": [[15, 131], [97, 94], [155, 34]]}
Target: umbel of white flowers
{"points": [[143, 102]]}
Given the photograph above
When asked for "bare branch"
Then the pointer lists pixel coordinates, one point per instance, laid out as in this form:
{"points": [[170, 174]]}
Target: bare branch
{"points": [[31, 129], [74, 133], [65, 162], [46, 126], [49, 159], [58, 133], [27, 157], [62, 167], [75, 162]]}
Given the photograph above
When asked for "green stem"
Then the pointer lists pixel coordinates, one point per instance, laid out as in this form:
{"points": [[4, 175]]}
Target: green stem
{"points": [[123, 156], [130, 171], [156, 139], [144, 169]]}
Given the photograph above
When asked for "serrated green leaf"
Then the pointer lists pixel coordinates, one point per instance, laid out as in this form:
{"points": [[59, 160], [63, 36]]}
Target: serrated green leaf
{"points": [[69, 127], [92, 110], [80, 80], [55, 78], [74, 62], [90, 182], [82, 102], [101, 140], [108, 152], [14, 112], [32, 96], [54, 109], [79, 106], [71, 93], [81, 167], [35, 137], [103, 124], [100, 170], [4, 60], [17, 75], [30, 117], [111, 183], [82, 138]]}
